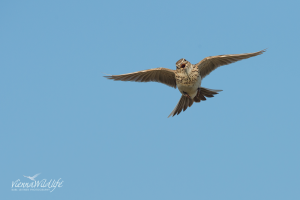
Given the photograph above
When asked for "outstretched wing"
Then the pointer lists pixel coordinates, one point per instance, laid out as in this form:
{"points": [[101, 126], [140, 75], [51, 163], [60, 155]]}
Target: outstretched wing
{"points": [[183, 104], [161, 75], [208, 64]]}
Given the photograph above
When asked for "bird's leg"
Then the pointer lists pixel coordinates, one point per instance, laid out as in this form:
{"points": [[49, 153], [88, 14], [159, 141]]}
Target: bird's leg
{"points": [[198, 92], [186, 94]]}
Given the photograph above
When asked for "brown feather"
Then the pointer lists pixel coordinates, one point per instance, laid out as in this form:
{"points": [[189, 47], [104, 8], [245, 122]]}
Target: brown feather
{"points": [[183, 104], [161, 75], [208, 64]]}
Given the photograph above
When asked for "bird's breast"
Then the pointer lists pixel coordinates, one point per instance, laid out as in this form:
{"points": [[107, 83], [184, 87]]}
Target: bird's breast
{"points": [[188, 79], [188, 83]]}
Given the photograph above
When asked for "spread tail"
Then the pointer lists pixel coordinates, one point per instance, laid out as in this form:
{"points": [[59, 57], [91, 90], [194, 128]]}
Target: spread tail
{"points": [[186, 102], [183, 104], [205, 92]]}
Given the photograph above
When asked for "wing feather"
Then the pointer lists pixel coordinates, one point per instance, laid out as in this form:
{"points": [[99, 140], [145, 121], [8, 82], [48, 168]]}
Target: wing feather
{"points": [[208, 64], [161, 75], [146, 77]]}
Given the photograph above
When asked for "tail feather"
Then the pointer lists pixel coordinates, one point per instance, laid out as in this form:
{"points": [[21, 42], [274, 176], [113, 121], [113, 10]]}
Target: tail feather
{"points": [[183, 104], [205, 92], [186, 102], [202, 97]]}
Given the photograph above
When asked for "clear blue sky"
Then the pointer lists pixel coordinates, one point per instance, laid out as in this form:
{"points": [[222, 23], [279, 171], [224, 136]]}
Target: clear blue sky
{"points": [[112, 140]]}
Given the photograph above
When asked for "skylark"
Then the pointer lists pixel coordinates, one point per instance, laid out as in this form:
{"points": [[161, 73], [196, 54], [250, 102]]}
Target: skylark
{"points": [[187, 77]]}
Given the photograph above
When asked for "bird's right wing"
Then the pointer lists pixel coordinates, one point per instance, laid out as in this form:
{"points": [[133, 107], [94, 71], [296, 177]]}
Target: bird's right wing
{"points": [[161, 75], [183, 104]]}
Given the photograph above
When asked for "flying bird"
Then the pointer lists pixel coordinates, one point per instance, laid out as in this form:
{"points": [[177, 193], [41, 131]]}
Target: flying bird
{"points": [[187, 77], [33, 177]]}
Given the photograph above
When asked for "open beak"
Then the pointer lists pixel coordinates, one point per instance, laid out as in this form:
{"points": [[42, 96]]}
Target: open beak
{"points": [[182, 66]]}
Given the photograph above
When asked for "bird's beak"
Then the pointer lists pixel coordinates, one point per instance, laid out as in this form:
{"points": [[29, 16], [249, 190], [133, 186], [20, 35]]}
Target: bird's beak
{"points": [[185, 69]]}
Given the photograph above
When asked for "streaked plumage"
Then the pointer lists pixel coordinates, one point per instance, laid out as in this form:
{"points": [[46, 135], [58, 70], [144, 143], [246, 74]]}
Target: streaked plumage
{"points": [[187, 77]]}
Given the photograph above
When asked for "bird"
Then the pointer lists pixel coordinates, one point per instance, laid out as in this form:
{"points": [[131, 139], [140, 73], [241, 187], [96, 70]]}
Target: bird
{"points": [[33, 177], [187, 77]]}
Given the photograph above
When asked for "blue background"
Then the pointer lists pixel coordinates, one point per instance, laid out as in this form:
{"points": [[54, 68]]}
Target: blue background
{"points": [[112, 140]]}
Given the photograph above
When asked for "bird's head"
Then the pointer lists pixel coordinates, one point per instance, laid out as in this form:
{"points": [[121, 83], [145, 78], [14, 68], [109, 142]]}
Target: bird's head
{"points": [[182, 63]]}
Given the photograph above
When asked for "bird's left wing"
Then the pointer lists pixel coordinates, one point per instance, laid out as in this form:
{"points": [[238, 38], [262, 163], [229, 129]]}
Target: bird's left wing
{"points": [[161, 75], [208, 64]]}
